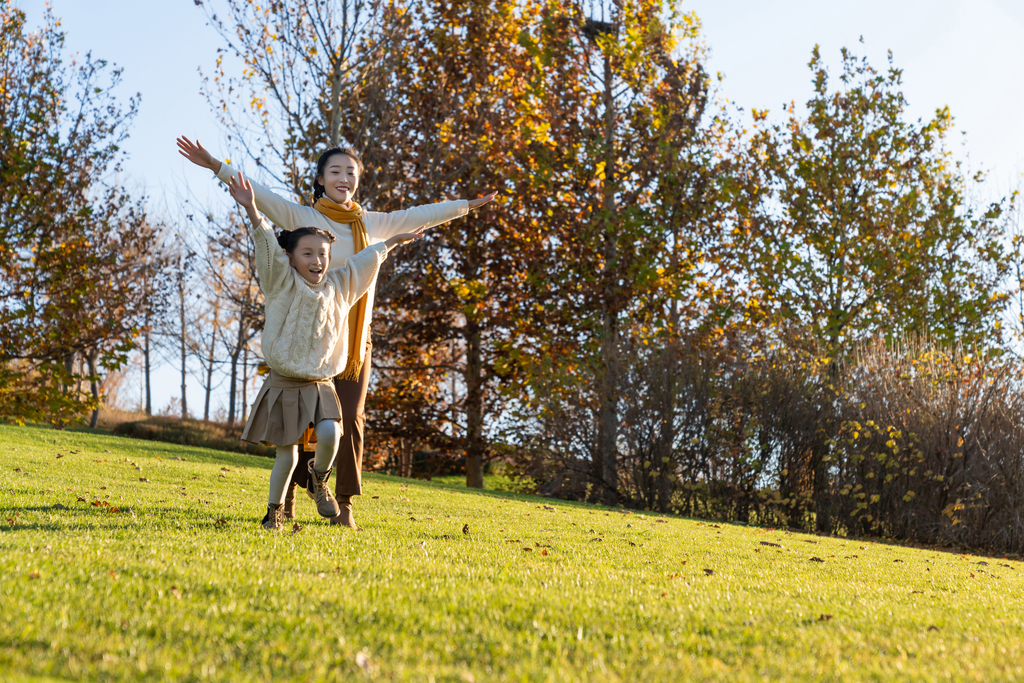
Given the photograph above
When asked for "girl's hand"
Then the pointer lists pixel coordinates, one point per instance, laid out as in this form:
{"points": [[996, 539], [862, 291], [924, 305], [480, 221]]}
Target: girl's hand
{"points": [[241, 191], [403, 238], [197, 154], [480, 201]]}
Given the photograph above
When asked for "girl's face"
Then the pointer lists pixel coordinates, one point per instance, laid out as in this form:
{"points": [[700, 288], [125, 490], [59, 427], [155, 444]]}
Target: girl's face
{"points": [[340, 178], [310, 257]]}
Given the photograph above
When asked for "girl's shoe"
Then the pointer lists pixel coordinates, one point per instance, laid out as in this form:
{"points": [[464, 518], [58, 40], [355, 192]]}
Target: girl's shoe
{"points": [[289, 501], [326, 505], [344, 517], [274, 518]]}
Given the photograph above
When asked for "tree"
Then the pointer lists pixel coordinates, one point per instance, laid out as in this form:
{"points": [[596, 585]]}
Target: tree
{"points": [[628, 210], [453, 294], [862, 223], [315, 73], [80, 271]]}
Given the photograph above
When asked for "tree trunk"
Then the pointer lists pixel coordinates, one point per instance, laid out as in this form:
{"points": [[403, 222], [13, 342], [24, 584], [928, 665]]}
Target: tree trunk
{"points": [[145, 372], [245, 384], [90, 358], [209, 363], [235, 353], [608, 412], [233, 391], [183, 333], [474, 408], [335, 105], [208, 388]]}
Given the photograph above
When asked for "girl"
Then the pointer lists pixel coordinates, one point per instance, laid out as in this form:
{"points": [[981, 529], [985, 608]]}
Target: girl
{"points": [[338, 172], [305, 344]]}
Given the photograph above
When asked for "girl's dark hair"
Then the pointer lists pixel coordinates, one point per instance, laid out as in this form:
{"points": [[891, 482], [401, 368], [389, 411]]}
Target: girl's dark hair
{"points": [[289, 238], [321, 164]]}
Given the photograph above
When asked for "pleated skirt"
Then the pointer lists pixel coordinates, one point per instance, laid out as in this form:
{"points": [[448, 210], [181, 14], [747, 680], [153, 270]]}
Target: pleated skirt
{"points": [[285, 407]]}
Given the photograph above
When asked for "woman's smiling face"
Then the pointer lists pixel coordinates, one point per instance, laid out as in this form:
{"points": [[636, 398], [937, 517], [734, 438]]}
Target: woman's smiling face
{"points": [[340, 178]]}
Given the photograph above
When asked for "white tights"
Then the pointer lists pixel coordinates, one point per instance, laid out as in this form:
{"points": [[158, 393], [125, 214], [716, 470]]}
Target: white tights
{"points": [[328, 436]]}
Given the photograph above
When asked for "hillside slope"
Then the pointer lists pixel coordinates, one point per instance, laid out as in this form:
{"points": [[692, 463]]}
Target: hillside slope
{"points": [[128, 560]]}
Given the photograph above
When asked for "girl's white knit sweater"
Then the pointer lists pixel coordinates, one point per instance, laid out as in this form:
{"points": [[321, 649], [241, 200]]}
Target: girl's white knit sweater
{"points": [[305, 332], [379, 226]]}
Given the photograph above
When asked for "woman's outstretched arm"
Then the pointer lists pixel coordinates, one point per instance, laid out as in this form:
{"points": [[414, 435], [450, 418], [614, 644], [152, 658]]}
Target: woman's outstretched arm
{"points": [[280, 211], [382, 226]]}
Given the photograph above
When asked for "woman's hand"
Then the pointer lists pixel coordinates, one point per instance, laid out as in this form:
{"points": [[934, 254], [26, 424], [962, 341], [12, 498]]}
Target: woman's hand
{"points": [[241, 192], [197, 154], [403, 238], [480, 201]]}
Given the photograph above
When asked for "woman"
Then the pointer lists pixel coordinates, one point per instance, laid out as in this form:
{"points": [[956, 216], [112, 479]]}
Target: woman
{"points": [[338, 172]]}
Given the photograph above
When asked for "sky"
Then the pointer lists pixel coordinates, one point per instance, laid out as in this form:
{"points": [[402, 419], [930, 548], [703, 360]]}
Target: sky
{"points": [[964, 54]]}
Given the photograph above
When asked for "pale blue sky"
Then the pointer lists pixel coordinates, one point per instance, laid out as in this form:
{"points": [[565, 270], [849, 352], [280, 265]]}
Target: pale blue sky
{"points": [[967, 54]]}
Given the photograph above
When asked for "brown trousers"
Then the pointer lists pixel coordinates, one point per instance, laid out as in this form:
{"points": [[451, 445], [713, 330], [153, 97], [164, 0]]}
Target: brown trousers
{"points": [[348, 461]]}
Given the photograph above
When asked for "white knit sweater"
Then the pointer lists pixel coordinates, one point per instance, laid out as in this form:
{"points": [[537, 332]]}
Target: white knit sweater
{"points": [[305, 335], [379, 226]]}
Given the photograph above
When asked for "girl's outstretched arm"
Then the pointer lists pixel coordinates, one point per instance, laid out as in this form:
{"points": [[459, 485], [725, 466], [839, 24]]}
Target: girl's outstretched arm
{"points": [[272, 265]]}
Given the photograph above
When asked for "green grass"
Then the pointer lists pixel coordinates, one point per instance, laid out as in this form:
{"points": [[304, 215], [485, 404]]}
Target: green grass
{"points": [[538, 590]]}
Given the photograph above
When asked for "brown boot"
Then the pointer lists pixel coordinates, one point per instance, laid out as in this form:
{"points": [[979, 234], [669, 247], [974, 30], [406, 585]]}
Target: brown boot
{"points": [[345, 518], [272, 521], [289, 501], [326, 505]]}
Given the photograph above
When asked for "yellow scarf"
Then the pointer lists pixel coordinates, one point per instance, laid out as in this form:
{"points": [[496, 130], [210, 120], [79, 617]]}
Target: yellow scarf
{"points": [[357, 315]]}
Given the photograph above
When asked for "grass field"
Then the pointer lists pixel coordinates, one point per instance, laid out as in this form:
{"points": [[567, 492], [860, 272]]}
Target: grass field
{"points": [[130, 560]]}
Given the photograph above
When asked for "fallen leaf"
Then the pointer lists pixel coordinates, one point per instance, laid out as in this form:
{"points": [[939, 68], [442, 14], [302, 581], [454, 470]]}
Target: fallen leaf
{"points": [[114, 575], [465, 529], [817, 559], [34, 575], [296, 528], [544, 552], [530, 550], [897, 560], [17, 469], [709, 572], [933, 628], [143, 479], [769, 543], [58, 506], [376, 497], [221, 522], [59, 456], [175, 592], [825, 617]]}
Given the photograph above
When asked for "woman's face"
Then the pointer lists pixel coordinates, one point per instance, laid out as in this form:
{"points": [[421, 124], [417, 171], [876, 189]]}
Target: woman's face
{"points": [[340, 178]]}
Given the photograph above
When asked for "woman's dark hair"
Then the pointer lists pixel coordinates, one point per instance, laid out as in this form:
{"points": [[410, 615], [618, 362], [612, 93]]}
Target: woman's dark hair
{"points": [[288, 239], [321, 165]]}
